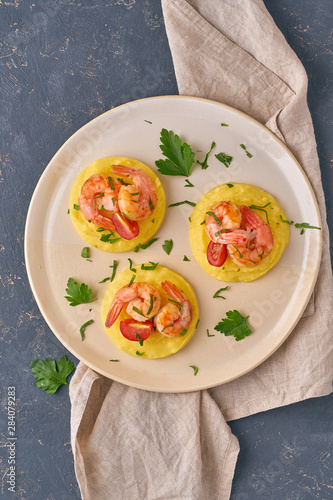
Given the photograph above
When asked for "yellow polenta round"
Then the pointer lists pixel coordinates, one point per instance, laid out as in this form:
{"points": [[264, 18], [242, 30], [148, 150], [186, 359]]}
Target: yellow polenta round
{"points": [[87, 230], [157, 345], [240, 194]]}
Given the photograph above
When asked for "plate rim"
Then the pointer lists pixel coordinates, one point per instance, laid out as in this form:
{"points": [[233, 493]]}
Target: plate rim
{"points": [[310, 289]]}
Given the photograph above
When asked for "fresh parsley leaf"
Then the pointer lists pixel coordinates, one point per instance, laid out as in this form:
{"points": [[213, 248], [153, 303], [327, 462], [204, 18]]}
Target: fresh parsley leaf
{"points": [[247, 153], [179, 155], [83, 327], [185, 202], [235, 324], [145, 245], [223, 158], [167, 247], [85, 252], [204, 163], [195, 369], [50, 376], [78, 294]]}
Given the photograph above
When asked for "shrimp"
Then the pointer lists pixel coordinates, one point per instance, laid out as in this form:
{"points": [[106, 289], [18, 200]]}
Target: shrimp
{"points": [[142, 299], [259, 242], [222, 221], [137, 200], [174, 318], [98, 200]]}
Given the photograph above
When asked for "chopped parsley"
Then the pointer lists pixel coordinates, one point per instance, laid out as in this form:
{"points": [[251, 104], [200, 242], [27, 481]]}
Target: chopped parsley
{"points": [[167, 246], [204, 163], [145, 245], [186, 259], [183, 203], [214, 217], [256, 207], [83, 327], [223, 158], [131, 266], [305, 225], [247, 153], [85, 253], [111, 183], [188, 183], [132, 279], [195, 369], [139, 339], [216, 294], [152, 266], [76, 207]]}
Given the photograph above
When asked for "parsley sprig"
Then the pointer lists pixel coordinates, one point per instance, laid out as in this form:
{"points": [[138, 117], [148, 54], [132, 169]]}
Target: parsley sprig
{"points": [[179, 155], [235, 324], [50, 376], [78, 294]]}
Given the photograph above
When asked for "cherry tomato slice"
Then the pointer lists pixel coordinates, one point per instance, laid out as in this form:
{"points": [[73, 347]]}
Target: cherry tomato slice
{"points": [[126, 228], [216, 254], [130, 328]]}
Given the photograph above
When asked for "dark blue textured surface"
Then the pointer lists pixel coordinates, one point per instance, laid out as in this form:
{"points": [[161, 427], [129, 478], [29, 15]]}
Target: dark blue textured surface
{"points": [[62, 64]]}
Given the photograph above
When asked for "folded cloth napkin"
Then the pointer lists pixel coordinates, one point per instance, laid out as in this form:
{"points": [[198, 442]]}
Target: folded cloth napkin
{"points": [[133, 444]]}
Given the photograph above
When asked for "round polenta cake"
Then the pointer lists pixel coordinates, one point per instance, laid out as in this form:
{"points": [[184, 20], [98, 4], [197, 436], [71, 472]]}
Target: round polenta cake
{"points": [[157, 345], [240, 194], [89, 231]]}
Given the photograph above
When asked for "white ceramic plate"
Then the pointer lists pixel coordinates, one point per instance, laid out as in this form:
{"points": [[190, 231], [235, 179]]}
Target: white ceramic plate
{"points": [[275, 302]]}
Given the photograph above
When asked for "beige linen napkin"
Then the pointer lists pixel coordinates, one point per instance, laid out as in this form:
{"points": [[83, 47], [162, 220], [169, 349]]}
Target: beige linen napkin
{"points": [[133, 444]]}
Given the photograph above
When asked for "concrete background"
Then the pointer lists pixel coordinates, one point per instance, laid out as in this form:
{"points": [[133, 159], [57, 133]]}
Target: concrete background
{"points": [[62, 63]]}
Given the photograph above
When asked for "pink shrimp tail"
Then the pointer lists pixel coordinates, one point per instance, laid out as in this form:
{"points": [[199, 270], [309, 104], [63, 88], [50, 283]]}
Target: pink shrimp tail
{"points": [[172, 290], [113, 313], [123, 170], [237, 236], [251, 217]]}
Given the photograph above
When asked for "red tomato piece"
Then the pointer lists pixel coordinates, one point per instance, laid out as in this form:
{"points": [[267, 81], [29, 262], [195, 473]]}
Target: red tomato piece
{"points": [[216, 254], [130, 328], [126, 228]]}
